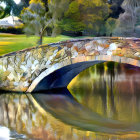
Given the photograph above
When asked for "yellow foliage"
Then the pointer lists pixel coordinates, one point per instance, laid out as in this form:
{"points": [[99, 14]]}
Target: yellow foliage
{"points": [[35, 1], [88, 2]]}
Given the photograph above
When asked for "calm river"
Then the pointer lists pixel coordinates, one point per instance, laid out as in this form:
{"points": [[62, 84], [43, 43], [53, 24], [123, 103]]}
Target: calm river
{"points": [[101, 103]]}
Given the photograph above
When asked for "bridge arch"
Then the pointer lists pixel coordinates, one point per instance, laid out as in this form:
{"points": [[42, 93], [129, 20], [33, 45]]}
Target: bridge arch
{"points": [[22, 71], [60, 75]]}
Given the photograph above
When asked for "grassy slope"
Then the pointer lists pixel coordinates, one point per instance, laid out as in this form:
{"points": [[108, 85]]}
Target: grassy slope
{"points": [[10, 43]]}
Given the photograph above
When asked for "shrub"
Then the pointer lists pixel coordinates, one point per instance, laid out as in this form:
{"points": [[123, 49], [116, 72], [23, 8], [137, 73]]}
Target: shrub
{"points": [[13, 30]]}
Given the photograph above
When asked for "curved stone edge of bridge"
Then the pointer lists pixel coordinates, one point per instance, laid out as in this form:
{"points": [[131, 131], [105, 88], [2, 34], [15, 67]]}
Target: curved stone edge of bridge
{"points": [[82, 59], [18, 70], [73, 41]]}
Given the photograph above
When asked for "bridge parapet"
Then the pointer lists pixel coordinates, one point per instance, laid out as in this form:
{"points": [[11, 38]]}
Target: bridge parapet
{"points": [[22, 71]]}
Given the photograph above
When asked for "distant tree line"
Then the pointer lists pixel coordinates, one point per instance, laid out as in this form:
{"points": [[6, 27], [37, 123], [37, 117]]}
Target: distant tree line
{"points": [[128, 23], [77, 17]]}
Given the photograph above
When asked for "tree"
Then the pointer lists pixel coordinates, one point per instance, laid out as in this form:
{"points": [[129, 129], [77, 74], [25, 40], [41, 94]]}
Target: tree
{"points": [[12, 7], [42, 17], [131, 4], [57, 8], [72, 20], [110, 26], [1, 11], [36, 19], [8, 7], [86, 15], [127, 21], [25, 2], [115, 6]]}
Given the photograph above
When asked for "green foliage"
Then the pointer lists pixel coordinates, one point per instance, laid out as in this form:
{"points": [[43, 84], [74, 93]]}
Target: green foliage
{"points": [[35, 19], [12, 7], [110, 26], [71, 25], [42, 18], [57, 8], [86, 15], [72, 20], [1, 12], [13, 30]]}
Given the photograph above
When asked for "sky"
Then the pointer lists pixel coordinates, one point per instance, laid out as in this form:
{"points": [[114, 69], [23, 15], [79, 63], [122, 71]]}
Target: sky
{"points": [[17, 1], [3, 4]]}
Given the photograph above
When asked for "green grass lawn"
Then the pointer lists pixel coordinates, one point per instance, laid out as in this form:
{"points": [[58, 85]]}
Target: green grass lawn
{"points": [[10, 43]]}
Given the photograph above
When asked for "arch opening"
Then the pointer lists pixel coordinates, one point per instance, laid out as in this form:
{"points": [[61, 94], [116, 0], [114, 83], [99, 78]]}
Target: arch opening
{"points": [[60, 76]]}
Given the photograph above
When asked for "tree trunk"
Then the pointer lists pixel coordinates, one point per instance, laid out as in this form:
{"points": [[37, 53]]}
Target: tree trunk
{"points": [[40, 40], [42, 33]]}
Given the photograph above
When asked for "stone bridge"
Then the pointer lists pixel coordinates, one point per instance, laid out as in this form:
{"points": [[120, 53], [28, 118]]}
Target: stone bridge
{"points": [[54, 65]]}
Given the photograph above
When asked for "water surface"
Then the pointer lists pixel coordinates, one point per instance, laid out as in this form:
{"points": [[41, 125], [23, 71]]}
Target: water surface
{"points": [[101, 103]]}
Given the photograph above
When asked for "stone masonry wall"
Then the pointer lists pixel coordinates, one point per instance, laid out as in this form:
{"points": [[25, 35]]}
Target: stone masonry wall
{"points": [[18, 70]]}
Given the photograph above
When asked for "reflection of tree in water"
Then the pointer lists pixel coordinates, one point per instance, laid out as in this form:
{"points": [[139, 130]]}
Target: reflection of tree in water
{"points": [[111, 89], [20, 113], [15, 108]]}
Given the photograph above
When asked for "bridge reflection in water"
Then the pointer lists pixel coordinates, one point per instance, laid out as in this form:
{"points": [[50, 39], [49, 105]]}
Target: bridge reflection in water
{"points": [[102, 103]]}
